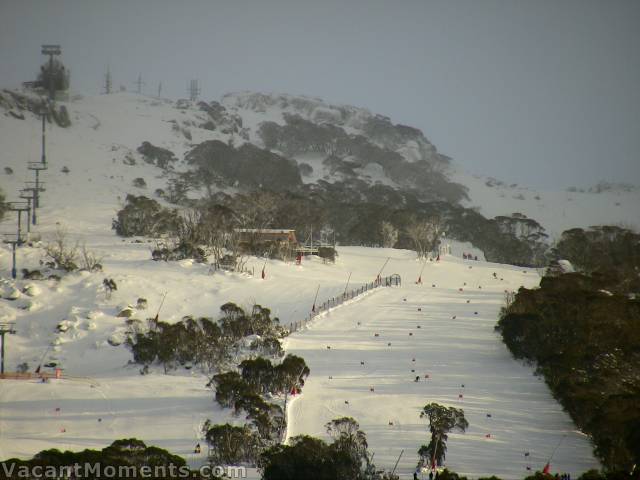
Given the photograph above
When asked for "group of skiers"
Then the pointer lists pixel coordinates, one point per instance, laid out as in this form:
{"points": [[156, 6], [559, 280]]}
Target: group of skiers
{"points": [[468, 256]]}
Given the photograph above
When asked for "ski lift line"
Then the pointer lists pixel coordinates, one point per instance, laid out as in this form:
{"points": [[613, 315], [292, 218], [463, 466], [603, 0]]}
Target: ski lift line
{"points": [[384, 265], [43, 355], [347, 285], [316, 297], [556, 449]]}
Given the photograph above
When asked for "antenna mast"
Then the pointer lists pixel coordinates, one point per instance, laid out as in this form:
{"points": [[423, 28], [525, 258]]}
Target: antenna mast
{"points": [[193, 90], [107, 82], [139, 83]]}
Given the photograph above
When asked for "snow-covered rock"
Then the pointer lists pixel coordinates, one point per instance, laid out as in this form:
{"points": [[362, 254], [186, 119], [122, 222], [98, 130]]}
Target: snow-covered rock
{"points": [[8, 290]]}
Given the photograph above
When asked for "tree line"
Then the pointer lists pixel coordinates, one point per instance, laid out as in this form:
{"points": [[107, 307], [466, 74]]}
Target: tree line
{"points": [[581, 330]]}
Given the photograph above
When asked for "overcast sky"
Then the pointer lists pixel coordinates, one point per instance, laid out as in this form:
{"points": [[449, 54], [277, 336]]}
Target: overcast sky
{"points": [[539, 92]]}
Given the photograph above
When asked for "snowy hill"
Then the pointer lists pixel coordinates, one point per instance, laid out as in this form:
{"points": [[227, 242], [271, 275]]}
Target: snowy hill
{"points": [[555, 210], [106, 131], [103, 397]]}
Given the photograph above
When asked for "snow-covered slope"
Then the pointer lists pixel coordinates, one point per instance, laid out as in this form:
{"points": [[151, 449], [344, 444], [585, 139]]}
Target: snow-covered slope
{"points": [[556, 211], [104, 398], [435, 330]]}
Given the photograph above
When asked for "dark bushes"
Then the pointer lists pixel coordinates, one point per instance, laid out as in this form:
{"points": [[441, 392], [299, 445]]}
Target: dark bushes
{"points": [[144, 216], [586, 342], [203, 341]]}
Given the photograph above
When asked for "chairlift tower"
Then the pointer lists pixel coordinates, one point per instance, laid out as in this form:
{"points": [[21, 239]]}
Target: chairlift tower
{"points": [[51, 50], [5, 327], [44, 110], [37, 167], [19, 207], [28, 196], [36, 187], [13, 240]]}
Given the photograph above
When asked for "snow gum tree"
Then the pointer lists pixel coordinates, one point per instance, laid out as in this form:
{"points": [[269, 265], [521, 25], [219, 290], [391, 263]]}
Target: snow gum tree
{"points": [[389, 234], [424, 235], [441, 421]]}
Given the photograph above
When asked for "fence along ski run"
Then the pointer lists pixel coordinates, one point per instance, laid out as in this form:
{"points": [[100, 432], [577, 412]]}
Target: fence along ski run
{"points": [[390, 281]]}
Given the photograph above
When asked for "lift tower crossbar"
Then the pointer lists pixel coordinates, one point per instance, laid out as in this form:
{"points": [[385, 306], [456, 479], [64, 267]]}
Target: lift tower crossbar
{"points": [[51, 50]]}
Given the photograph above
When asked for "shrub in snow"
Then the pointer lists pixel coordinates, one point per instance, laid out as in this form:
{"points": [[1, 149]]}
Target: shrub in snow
{"points": [[144, 216], [125, 312], [160, 157], [182, 251], [86, 325], [22, 367], [206, 343], [65, 169], [139, 182], [32, 274], [60, 253], [65, 325], [141, 304], [116, 339], [129, 160], [8, 170], [327, 253], [31, 289], [208, 125], [89, 261], [8, 290]]}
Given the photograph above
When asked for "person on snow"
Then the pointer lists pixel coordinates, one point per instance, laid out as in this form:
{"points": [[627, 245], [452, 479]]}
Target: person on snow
{"points": [[197, 449]]}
